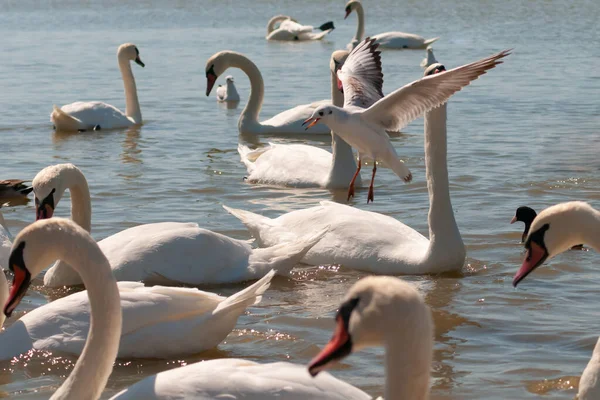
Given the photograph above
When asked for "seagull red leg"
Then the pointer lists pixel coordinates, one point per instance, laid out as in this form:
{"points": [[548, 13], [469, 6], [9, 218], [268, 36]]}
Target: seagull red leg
{"points": [[351, 188], [370, 196]]}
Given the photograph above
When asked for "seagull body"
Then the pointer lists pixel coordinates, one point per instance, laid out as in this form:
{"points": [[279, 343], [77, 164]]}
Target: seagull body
{"points": [[228, 93], [367, 114]]}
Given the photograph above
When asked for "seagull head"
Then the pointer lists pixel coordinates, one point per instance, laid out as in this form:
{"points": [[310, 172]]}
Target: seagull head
{"points": [[322, 114], [229, 79]]}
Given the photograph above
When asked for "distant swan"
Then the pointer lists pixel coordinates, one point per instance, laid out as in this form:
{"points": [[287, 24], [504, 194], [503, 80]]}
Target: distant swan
{"points": [[94, 115], [389, 40], [290, 30], [288, 122]]}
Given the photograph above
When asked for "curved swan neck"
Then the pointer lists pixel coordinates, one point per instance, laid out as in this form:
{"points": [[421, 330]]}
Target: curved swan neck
{"points": [[81, 203], [132, 105], [587, 228], [360, 28], [342, 155], [442, 225], [257, 89], [274, 21], [94, 366]]}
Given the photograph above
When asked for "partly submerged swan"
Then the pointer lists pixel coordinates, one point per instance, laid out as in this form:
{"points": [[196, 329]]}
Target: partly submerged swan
{"points": [[160, 253], [371, 241], [364, 123], [35, 247], [82, 116], [388, 312], [290, 30], [557, 229], [158, 321], [13, 188], [389, 40], [228, 93], [300, 165], [287, 122]]}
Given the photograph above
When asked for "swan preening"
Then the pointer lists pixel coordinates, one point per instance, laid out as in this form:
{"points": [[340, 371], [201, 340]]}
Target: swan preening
{"points": [[151, 252], [287, 122], [228, 93], [389, 40], [367, 114], [375, 242], [300, 165], [290, 30], [94, 115]]}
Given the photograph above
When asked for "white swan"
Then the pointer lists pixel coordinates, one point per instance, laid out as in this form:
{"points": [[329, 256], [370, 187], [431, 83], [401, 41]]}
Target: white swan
{"points": [[82, 116], [374, 242], [38, 245], [290, 30], [364, 123], [228, 93], [388, 312], [389, 40], [553, 231], [5, 244], [158, 322], [429, 60], [152, 252], [300, 165], [287, 122]]}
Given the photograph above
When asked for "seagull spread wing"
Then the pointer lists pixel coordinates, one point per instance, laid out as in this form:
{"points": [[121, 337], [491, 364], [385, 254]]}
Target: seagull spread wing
{"points": [[361, 75], [397, 109]]}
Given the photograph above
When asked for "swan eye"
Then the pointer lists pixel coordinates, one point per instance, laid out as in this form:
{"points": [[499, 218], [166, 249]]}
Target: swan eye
{"points": [[330, 112], [211, 71], [347, 9], [321, 113]]}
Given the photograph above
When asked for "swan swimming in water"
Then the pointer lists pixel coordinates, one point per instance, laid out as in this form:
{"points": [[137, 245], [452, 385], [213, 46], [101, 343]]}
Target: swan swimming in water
{"points": [[290, 30]]}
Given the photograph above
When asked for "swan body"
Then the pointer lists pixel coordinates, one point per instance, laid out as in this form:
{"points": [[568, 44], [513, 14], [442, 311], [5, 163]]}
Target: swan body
{"points": [[589, 384], [34, 248], [228, 93], [288, 122], [158, 321], [152, 252], [388, 312], [13, 188], [300, 165], [94, 115], [5, 245], [371, 241], [389, 40], [290, 30], [240, 379]]}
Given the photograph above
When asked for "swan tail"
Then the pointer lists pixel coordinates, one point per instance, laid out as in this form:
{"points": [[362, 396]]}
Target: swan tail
{"points": [[250, 156], [63, 121], [327, 26], [257, 225], [249, 296], [429, 41], [283, 257]]}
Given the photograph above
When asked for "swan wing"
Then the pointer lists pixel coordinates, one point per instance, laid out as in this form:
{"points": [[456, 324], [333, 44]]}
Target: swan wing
{"points": [[397, 109], [236, 379], [361, 75], [95, 113], [294, 27]]}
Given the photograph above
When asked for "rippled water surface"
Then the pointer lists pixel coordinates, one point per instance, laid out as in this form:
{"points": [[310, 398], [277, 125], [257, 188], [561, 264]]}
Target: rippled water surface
{"points": [[526, 133]]}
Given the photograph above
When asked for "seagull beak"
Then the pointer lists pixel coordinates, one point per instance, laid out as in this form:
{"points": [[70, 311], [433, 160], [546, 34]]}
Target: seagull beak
{"points": [[314, 122], [513, 220]]}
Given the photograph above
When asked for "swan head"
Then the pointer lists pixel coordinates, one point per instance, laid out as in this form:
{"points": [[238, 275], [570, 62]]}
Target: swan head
{"points": [[338, 58], [322, 114], [351, 6], [553, 231], [434, 68], [34, 248], [215, 67], [375, 311], [130, 52], [49, 185]]}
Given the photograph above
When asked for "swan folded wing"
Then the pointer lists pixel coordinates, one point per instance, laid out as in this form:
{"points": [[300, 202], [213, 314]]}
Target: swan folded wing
{"points": [[361, 75], [236, 378], [397, 109], [94, 113], [294, 27]]}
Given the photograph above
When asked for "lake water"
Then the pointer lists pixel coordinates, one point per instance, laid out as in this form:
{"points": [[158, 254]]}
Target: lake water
{"points": [[527, 133]]}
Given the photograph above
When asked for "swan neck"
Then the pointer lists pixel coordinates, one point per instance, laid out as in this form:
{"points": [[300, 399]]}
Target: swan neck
{"points": [[588, 226], [94, 366], [132, 105], [360, 28], [442, 224], [81, 203], [274, 21], [407, 368], [250, 113]]}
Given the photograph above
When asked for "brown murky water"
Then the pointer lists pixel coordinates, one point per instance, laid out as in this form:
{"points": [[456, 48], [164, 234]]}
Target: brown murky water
{"points": [[526, 133]]}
